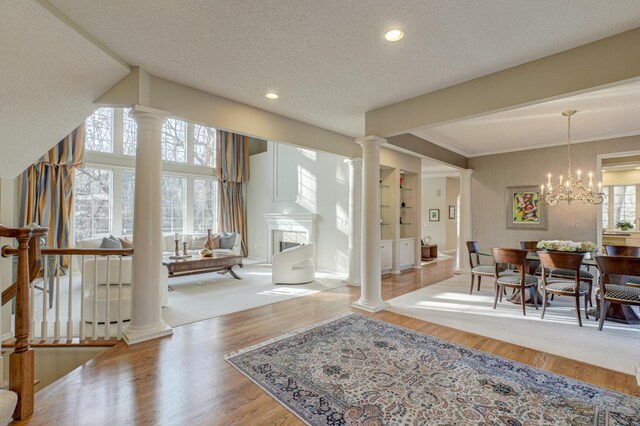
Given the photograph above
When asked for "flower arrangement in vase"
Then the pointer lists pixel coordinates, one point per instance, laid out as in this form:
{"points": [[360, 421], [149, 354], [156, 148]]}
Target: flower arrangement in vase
{"points": [[568, 246]]}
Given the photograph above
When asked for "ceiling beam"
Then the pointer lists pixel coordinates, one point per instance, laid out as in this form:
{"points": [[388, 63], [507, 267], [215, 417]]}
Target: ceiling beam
{"points": [[604, 63]]}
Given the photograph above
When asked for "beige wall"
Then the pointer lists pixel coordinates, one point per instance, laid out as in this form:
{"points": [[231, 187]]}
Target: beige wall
{"points": [[626, 177], [492, 174], [453, 189]]}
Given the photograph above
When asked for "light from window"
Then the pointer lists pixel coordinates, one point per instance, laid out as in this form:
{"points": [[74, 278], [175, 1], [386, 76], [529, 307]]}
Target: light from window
{"points": [[130, 133], [173, 203], [204, 139], [128, 192], [92, 204], [605, 208], [205, 214], [174, 140], [98, 131], [624, 203]]}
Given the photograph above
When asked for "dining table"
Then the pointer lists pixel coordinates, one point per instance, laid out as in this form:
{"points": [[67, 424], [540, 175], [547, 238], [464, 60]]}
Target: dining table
{"points": [[616, 312]]}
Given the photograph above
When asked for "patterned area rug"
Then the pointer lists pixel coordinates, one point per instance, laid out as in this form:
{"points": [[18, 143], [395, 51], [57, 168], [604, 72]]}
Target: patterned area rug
{"points": [[355, 370]]}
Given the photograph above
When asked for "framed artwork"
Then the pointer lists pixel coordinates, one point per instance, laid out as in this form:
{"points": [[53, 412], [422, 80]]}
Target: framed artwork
{"points": [[452, 212], [434, 215], [524, 208]]}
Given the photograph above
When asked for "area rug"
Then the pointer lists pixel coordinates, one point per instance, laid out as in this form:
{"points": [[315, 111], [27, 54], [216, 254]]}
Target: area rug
{"points": [[199, 297], [355, 370], [449, 303]]}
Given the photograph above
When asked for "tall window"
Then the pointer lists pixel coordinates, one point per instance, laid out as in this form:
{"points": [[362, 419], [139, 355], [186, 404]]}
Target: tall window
{"points": [[204, 139], [93, 189], [174, 140], [98, 133], [624, 203], [173, 203], [129, 133], [205, 206], [128, 189]]}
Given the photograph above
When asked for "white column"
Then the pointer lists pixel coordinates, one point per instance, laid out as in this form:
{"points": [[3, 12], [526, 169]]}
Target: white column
{"points": [[465, 221], [146, 311], [370, 287], [355, 197]]}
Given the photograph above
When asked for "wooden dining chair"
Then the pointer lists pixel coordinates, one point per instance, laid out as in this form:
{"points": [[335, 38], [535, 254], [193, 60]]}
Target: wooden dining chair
{"points": [[518, 280], [615, 287], [477, 269], [534, 267], [624, 251], [560, 286], [585, 276]]}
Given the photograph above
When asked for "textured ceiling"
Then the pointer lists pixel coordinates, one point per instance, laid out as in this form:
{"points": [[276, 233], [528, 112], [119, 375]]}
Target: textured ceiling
{"points": [[50, 76], [602, 114], [327, 59]]}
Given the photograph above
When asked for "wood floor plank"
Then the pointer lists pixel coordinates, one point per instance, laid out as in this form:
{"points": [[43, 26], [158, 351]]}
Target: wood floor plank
{"points": [[184, 379]]}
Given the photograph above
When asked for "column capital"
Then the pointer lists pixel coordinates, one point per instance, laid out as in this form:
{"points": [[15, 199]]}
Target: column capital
{"points": [[354, 162], [465, 173], [371, 140], [145, 112]]}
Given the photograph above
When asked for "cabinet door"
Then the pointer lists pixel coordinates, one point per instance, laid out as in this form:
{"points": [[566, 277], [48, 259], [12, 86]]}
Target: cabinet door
{"points": [[387, 256], [633, 242], [406, 253]]}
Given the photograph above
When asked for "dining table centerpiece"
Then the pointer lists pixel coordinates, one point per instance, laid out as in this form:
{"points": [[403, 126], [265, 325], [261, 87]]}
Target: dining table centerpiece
{"points": [[568, 246]]}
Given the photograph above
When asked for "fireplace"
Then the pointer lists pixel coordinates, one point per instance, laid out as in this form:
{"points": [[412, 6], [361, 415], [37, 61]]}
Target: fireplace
{"points": [[288, 230]]}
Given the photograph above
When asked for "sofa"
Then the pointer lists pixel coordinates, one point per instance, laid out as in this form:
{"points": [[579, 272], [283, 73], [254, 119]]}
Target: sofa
{"points": [[195, 243], [294, 265]]}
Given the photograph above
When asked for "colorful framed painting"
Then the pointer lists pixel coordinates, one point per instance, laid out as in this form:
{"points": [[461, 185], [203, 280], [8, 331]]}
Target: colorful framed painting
{"points": [[434, 215], [524, 208]]}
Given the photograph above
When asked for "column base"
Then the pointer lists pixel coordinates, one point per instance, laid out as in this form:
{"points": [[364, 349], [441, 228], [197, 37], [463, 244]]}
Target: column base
{"points": [[133, 334], [398, 272], [365, 306], [350, 282], [461, 272]]}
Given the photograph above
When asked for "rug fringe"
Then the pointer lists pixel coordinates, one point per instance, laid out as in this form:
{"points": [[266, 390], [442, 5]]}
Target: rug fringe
{"points": [[287, 335]]}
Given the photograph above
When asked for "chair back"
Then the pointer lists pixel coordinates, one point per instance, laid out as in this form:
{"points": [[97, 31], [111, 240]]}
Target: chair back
{"points": [[529, 245], [617, 269], [622, 250], [472, 246], [554, 260], [516, 257]]}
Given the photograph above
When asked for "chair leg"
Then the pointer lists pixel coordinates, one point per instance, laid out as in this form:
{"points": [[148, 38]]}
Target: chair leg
{"points": [[534, 299], [544, 303], [586, 310], [524, 309], [590, 292], [603, 310], [495, 297], [501, 293], [576, 302], [472, 278], [479, 279]]}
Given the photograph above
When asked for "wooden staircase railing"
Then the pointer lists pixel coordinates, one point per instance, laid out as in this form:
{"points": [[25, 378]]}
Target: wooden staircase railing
{"points": [[21, 361]]}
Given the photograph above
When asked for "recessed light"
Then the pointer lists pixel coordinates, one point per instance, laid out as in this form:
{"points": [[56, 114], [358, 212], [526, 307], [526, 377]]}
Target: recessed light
{"points": [[394, 35], [271, 95]]}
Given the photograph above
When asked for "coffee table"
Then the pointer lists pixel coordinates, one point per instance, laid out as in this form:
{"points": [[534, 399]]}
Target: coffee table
{"points": [[221, 263]]}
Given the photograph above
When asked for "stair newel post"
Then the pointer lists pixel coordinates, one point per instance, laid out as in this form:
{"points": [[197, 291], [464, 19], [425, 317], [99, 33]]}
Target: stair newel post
{"points": [[21, 374]]}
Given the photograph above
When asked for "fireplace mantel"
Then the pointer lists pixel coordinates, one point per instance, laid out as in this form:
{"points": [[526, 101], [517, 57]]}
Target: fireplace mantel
{"points": [[298, 222]]}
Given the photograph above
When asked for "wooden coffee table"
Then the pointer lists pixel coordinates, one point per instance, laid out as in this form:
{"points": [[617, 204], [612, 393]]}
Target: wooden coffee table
{"points": [[221, 263]]}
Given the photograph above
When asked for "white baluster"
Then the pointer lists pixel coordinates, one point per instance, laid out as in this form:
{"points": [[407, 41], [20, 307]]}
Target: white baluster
{"points": [[119, 332], [56, 323], [70, 306], [82, 319], [45, 305], [32, 308], [94, 324], [107, 333]]}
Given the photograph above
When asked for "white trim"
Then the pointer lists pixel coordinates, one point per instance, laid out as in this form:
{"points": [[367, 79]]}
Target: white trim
{"points": [[296, 222], [440, 142], [277, 198]]}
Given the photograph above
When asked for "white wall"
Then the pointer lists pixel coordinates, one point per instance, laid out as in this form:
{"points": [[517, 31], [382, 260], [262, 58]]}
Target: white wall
{"points": [[287, 179], [434, 197]]}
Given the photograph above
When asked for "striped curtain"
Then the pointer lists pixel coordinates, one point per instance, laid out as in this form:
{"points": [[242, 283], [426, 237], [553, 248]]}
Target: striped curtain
{"points": [[232, 168], [46, 189]]}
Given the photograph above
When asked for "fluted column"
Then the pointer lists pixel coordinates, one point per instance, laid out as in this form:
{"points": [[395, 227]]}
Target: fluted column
{"points": [[146, 311], [355, 197], [465, 220], [370, 287]]}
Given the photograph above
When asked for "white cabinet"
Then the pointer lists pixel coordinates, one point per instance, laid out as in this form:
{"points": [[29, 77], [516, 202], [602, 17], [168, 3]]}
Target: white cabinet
{"points": [[406, 252], [386, 254]]}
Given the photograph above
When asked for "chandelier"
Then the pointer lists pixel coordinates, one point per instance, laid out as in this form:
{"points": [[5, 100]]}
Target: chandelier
{"points": [[569, 190]]}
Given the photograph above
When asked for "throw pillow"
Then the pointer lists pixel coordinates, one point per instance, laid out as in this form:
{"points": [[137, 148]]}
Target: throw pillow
{"points": [[227, 240], [198, 242], [108, 243], [125, 243], [216, 241]]}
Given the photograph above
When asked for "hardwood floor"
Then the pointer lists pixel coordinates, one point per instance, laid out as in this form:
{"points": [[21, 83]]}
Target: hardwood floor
{"points": [[184, 379]]}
